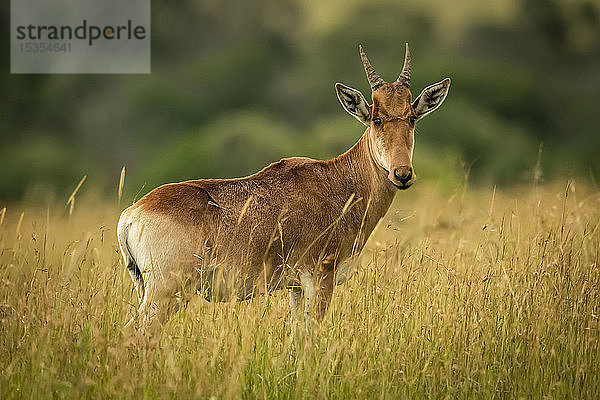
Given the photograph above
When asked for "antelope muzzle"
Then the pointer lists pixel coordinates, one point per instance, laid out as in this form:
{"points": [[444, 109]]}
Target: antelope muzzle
{"points": [[402, 177]]}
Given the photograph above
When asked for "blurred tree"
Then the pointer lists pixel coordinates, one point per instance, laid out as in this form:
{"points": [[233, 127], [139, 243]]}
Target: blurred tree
{"points": [[256, 80]]}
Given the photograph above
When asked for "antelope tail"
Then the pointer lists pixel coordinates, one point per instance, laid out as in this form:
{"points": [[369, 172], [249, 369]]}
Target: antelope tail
{"points": [[130, 263]]}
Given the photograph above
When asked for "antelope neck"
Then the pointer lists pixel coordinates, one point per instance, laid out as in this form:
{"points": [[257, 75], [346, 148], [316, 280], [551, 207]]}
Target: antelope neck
{"points": [[368, 179]]}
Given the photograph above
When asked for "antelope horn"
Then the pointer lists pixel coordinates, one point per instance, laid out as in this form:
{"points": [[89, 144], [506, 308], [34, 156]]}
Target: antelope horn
{"points": [[404, 77], [374, 80]]}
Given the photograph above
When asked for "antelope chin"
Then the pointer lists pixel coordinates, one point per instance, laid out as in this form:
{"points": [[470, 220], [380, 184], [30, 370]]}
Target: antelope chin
{"points": [[400, 186]]}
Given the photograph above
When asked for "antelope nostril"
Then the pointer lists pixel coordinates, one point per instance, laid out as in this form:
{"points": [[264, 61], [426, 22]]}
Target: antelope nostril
{"points": [[403, 175]]}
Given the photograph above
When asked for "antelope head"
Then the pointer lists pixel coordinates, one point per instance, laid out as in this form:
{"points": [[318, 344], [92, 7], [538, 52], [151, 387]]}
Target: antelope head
{"points": [[392, 117]]}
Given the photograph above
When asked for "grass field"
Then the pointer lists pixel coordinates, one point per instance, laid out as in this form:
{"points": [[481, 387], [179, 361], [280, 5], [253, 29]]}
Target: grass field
{"points": [[466, 293]]}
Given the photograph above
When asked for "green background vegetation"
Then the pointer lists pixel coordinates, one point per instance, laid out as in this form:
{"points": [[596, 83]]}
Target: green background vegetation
{"points": [[236, 85]]}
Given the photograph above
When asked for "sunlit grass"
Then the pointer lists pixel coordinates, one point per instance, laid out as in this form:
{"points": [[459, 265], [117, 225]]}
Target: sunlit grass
{"points": [[476, 293]]}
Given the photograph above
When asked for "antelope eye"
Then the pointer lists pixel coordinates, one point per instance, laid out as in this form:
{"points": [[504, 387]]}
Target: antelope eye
{"points": [[412, 119], [377, 121]]}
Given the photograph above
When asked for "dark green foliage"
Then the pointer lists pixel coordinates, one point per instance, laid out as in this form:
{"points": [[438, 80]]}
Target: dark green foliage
{"points": [[236, 85]]}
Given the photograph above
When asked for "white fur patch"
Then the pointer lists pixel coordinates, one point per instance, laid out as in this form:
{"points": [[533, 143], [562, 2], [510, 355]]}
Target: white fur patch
{"points": [[378, 152], [308, 288]]}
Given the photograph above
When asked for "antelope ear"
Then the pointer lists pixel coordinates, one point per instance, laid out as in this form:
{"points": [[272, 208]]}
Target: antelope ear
{"points": [[354, 102], [431, 98]]}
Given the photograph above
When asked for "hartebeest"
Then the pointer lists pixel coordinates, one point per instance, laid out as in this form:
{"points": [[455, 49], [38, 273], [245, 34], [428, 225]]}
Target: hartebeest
{"points": [[298, 223]]}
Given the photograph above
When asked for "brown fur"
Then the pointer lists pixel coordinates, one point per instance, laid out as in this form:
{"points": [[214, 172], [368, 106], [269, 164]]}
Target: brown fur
{"points": [[295, 221]]}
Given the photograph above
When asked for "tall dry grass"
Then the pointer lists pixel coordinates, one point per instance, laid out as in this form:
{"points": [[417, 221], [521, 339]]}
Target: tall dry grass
{"points": [[461, 294]]}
